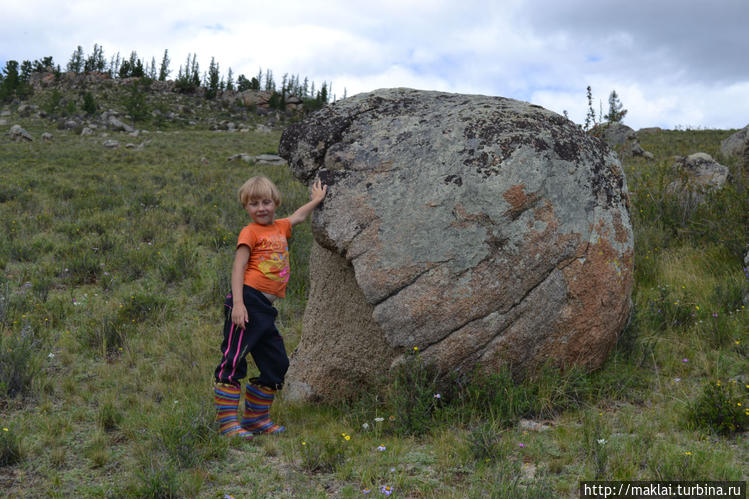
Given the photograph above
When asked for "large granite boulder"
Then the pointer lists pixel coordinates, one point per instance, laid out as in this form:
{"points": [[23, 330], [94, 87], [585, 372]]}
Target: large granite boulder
{"points": [[733, 145], [483, 230]]}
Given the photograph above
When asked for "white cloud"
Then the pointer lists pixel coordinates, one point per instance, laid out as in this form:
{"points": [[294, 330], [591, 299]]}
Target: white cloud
{"points": [[673, 62]]}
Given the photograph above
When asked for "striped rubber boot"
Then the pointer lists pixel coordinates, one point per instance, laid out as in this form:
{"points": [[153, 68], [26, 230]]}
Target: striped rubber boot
{"points": [[226, 400], [257, 402]]}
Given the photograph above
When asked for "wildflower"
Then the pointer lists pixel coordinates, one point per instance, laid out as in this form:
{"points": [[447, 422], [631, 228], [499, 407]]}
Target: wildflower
{"points": [[386, 489], [685, 360], [687, 453], [437, 396], [304, 443], [737, 342], [366, 491], [601, 441], [381, 448], [228, 496], [521, 444], [416, 349], [677, 380], [379, 420], [392, 470], [738, 404], [5, 429], [347, 437], [696, 307], [717, 383], [365, 426], [715, 314], [391, 418], [51, 355]]}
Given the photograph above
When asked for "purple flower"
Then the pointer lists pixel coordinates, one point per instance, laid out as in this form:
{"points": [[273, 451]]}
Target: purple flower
{"points": [[386, 489], [715, 314], [685, 360]]}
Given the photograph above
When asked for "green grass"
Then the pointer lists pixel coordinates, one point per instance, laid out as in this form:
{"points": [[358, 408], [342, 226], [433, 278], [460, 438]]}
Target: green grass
{"points": [[114, 267]]}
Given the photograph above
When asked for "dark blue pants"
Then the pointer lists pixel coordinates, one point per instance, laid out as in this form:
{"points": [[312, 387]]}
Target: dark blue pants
{"points": [[259, 338]]}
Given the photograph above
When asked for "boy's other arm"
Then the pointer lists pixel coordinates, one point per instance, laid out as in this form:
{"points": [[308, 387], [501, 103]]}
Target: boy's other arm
{"points": [[239, 314], [316, 197]]}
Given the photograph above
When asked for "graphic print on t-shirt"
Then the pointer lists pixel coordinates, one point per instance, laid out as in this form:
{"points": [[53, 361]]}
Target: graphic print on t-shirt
{"points": [[273, 253]]}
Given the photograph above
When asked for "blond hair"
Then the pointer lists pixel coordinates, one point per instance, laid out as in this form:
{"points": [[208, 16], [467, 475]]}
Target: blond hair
{"points": [[259, 188]]}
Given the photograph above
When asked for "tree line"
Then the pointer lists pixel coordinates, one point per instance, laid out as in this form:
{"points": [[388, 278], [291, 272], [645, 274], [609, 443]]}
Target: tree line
{"points": [[15, 80]]}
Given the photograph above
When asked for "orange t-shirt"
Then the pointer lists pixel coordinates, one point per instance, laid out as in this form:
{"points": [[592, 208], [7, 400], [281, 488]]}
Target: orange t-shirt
{"points": [[268, 268]]}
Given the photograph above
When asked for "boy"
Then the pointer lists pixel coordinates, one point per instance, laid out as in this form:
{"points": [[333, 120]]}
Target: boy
{"points": [[258, 278]]}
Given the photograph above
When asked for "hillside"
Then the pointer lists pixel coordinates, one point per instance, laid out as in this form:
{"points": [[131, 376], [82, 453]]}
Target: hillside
{"points": [[115, 262]]}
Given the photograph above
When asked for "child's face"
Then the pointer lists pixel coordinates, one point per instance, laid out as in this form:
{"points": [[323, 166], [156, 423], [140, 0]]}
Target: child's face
{"points": [[262, 210]]}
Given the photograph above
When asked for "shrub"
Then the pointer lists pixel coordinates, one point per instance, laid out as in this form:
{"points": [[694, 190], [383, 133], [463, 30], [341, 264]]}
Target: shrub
{"points": [[410, 395], [109, 417], [18, 362], [156, 480], [11, 450], [186, 434], [723, 407], [107, 333], [135, 103], [89, 104], [180, 264], [322, 455], [141, 307], [485, 443]]}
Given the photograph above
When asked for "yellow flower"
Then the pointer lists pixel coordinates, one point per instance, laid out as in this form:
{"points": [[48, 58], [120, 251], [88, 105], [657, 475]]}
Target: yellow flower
{"points": [[718, 383], [697, 307], [687, 453], [5, 429], [304, 443], [416, 349], [738, 404], [348, 437]]}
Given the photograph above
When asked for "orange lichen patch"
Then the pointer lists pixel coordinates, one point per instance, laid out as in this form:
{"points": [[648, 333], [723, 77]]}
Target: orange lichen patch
{"points": [[622, 235], [519, 201], [599, 286]]}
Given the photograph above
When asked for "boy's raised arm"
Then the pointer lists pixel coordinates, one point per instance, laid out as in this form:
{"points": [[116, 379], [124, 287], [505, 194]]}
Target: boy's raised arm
{"points": [[316, 197]]}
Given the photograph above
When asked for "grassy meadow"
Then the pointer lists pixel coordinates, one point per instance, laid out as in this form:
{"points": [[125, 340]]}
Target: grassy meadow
{"points": [[114, 266]]}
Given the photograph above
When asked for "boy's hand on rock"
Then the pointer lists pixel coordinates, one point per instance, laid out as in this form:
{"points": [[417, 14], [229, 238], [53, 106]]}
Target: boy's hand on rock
{"points": [[318, 191]]}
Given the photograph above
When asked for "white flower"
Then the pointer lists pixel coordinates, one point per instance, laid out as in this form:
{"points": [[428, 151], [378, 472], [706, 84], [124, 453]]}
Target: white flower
{"points": [[365, 426], [601, 441], [379, 420], [51, 355]]}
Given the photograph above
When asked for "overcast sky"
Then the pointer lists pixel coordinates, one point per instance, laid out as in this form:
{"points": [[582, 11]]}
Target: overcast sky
{"points": [[672, 62]]}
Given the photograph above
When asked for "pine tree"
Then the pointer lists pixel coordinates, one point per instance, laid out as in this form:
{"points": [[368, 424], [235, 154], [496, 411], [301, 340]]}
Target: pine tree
{"points": [[243, 83], [270, 85], [230, 80], [214, 78], [616, 113], [590, 117], [152, 70], [75, 64], [164, 69]]}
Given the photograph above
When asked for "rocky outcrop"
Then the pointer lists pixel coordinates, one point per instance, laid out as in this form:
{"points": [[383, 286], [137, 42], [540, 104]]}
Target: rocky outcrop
{"points": [[482, 230], [621, 138], [19, 134], [733, 145], [698, 174]]}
